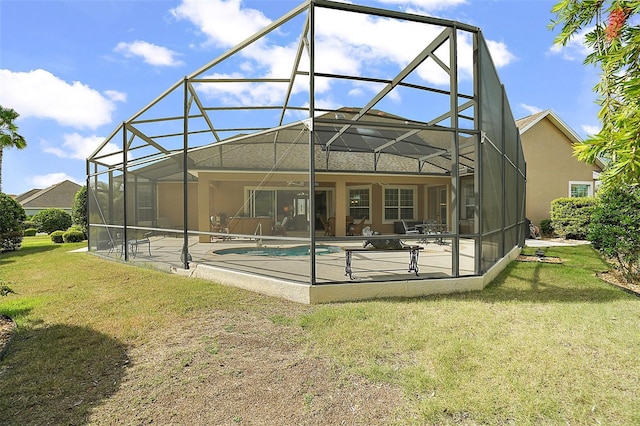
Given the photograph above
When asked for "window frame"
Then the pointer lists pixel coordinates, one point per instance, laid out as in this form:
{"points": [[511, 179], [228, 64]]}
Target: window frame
{"points": [[414, 207], [348, 201], [587, 183]]}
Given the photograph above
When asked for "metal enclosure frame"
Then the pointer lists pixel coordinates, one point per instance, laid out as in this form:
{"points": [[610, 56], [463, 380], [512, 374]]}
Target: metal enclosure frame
{"points": [[458, 132]]}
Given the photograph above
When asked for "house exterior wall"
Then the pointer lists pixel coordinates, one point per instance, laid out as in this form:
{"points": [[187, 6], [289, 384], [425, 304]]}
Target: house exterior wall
{"points": [[32, 211], [550, 167], [224, 196], [170, 206]]}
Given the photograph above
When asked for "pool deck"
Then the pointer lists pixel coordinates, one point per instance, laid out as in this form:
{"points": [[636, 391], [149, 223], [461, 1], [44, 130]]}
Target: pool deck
{"points": [[375, 274]]}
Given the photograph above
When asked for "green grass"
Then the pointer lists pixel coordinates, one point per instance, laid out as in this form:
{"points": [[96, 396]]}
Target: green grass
{"points": [[544, 344]]}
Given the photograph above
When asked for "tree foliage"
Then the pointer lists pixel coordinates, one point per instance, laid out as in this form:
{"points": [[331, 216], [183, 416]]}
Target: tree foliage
{"points": [[9, 136], [12, 217], [50, 220], [613, 36], [615, 228], [79, 210]]}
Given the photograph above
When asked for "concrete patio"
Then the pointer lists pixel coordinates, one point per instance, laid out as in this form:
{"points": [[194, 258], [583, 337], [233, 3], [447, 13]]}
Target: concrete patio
{"points": [[375, 274]]}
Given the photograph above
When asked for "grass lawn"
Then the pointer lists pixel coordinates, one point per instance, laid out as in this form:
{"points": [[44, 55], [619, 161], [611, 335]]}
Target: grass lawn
{"points": [[102, 342]]}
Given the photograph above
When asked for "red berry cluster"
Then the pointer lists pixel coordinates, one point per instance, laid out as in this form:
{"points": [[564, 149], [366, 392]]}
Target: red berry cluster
{"points": [[617, 18]]}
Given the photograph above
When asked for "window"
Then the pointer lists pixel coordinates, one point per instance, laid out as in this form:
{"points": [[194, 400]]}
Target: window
{"points": [[145, 208], [359, 203], [262, 203], [399, 203], [580, 189]]}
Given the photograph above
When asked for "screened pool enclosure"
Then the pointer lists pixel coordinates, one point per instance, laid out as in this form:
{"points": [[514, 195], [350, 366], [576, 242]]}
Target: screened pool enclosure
{"points": [[342, 152]]}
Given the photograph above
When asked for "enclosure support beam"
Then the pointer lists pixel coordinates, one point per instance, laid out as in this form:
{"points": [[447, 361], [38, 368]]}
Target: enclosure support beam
{"points": [[185, 179]]}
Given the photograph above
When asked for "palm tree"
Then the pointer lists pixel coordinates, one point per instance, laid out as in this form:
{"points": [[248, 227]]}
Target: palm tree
{"points": [[9, 137]]}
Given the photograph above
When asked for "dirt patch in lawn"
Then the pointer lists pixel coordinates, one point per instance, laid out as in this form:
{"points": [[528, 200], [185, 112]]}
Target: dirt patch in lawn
{"points": [[616, 279], [542, 259], [249, 368], [7, 330]]}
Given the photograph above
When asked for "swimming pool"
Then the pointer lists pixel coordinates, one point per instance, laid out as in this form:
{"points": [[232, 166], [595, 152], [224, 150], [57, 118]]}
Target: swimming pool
{"points": [[279, 251]]}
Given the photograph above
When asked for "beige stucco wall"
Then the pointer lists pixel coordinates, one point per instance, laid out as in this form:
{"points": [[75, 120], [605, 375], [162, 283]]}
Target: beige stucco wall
{"points": [[224, 193], [550, 167], [170, 204]]}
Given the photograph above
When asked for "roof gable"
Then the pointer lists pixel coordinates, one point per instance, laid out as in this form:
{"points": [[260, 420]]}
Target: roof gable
{"points": [[526, 123], [59, 195], [20, 198]]}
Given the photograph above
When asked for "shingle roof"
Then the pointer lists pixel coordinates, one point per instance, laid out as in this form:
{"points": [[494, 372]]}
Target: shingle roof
{"points": [[60, 195], [20, 198]]}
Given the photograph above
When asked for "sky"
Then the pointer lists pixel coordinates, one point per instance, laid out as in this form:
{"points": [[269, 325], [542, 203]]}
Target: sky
{"points": [[74, 70]]}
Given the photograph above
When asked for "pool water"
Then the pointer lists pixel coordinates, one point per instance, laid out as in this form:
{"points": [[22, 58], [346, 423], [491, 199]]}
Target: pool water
{"points": [[279, 251]]}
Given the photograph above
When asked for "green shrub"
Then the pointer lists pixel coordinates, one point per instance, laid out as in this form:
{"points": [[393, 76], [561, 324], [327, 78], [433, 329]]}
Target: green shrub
{"points": [[546, 227], [79, 210], [80, 229], [570, 216], [57, 237], [12, 217], [30, 232], [73, 236], [50, 220], [29, 224], [615, 229]]}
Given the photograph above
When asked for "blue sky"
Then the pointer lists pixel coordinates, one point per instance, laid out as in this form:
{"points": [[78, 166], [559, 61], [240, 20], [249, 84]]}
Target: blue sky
{"points": [[74, 70]]}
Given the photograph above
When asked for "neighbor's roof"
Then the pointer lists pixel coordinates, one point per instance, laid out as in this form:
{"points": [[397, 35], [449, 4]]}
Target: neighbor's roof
{"points": [[60, 195], [526, 123], [20, 198]]}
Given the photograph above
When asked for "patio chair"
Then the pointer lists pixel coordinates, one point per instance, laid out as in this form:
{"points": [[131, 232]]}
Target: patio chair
{"points": [[135, 243], [217, 225], [331, 230], [409, 229], [349, 225], [356, 228], [116, 244], [325, 225], [281, 228]]}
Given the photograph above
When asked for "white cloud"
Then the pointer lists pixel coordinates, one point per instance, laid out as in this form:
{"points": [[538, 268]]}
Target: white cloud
{"points": [[225, 23], [75, 146], [532, 109], [380, 47], [41, 94], [426, 4], [45, 181], [575, 48], [151, 54], [500, 53], [116, 96], [590, 129], [243, 93]]}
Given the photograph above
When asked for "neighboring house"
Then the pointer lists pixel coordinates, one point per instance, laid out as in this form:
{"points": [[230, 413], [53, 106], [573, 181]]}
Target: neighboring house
{"points": [[60, 196], [552, 170]]}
